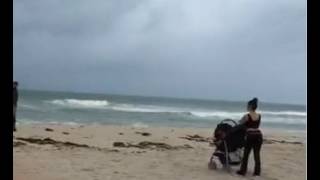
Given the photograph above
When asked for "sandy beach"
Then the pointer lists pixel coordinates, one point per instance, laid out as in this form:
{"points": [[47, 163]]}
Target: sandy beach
{"points": [[92, 152]]}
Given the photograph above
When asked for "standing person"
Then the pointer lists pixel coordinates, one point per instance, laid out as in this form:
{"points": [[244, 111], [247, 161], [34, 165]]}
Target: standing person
{"points": [[253, 138], [15, 103]]}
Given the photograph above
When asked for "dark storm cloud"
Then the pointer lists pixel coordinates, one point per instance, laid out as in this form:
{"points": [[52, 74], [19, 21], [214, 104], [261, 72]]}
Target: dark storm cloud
{"points": [[204, 49]]}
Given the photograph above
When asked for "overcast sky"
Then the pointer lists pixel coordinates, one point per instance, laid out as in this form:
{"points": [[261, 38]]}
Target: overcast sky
{"points": [[212, 49]]}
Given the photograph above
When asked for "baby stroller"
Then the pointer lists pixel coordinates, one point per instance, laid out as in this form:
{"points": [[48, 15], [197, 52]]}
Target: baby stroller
{"points": [[229, 138]]}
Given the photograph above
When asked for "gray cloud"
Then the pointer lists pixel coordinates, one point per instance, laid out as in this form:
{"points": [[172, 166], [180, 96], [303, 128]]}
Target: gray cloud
{"points": [[203, 49]]}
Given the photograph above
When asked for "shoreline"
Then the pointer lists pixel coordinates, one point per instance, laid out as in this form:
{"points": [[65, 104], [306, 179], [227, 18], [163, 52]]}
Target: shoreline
{"points": [[265, 130]]}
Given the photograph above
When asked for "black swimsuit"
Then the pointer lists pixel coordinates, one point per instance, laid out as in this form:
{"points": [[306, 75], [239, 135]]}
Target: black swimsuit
{"points": [[253, 125]]}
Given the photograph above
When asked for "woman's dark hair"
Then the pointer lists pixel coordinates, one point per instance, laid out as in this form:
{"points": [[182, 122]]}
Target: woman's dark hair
{"points": [[253, 103]]}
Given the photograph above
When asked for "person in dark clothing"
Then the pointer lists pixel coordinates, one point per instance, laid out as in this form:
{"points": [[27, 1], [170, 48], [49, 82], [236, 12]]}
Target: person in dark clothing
{"points": [[254, 138], [15, 103]]}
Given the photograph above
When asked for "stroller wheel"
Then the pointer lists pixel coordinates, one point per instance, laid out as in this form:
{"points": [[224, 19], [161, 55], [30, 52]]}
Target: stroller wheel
{"points": [[212, 165]]}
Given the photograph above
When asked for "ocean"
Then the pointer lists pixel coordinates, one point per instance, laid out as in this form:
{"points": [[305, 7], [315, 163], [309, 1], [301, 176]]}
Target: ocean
{"points": [[137, 111]]}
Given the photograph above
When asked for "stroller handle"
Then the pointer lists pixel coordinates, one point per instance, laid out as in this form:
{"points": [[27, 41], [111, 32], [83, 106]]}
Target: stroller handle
{"points": [[229, 120]]}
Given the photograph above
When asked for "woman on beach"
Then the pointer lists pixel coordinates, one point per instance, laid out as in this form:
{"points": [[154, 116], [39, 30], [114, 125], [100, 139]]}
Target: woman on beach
{"points": [[253, 138]]}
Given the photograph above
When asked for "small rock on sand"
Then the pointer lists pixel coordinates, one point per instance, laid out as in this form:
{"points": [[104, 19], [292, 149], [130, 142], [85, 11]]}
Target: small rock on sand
{"points": [[144, 133], [48, 129]]}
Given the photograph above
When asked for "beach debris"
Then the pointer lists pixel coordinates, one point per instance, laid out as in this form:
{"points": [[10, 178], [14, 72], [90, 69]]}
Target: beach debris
{"points": [[144, 133], [120, 133], [119, 144], [151, 145], [271, 141], [48, 129], [61, 144], [113, 150], [87, 169], [65, 133], [18, 143], [75, 144], [196, 138], [51, 141], [138, 152]]}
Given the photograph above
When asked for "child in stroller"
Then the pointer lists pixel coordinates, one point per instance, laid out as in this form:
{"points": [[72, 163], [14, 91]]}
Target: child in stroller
{"points": [[229, 141]]}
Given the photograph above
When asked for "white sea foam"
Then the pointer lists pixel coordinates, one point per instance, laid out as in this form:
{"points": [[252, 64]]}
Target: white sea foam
{"points": [[284, 113], [285, 120], [225, 114], [286, 117], [69, 123], [29, 121], [80, 103], [143, 108], [139, 125], [162, 109], [198, 113], [271, 117]]}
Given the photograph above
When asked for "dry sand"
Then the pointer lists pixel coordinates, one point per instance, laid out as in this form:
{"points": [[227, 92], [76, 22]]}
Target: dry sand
{"points": [[87, 153]]}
